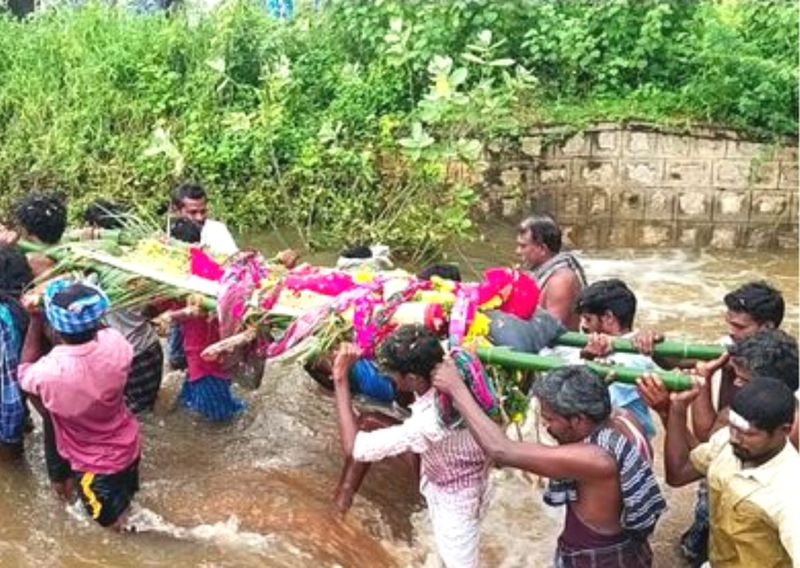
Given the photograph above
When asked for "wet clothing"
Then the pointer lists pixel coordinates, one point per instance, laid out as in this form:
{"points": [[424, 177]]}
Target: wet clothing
{"points": [[580, 546], [453, 480], [82, 386], [13, 326], [147, 368], [175, 354], [754, 512], [211, 397], [207, 388], [199, 333], [642, 502], [107, 496], [58, 468], [144, 380], [694, 542]]}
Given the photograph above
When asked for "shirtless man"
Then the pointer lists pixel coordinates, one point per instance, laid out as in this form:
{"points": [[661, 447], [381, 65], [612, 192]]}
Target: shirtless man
{"points": [[559, 274], [611, 495]]}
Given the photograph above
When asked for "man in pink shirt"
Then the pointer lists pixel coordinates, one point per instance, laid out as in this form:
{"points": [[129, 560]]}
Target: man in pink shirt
{"points": [[80, 383]]}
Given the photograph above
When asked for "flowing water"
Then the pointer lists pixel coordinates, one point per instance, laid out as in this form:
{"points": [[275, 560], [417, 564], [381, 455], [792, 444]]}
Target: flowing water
{"points": [[257, 492]]}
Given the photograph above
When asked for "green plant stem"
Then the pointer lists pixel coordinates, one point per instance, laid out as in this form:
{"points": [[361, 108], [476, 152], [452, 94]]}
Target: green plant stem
{"points": [[661, 349], [509, 359]]}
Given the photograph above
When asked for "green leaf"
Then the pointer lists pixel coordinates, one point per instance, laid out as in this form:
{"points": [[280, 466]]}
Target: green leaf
{"points": [[458, 76], [472, 58], [506, 62]]}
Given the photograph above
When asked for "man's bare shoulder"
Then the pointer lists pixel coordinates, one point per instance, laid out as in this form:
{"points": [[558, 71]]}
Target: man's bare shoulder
{"points": [[563, 277]]}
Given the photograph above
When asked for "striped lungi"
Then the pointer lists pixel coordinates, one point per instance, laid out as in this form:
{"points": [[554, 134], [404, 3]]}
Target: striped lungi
{"points": [[144, 380]]}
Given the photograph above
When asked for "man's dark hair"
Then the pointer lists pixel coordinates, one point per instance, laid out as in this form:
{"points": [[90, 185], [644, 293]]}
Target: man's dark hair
{"points": [[185, 230], [43, 215], [446, 271], [543, 230], [357, 251], [769, 353], [15, 272], [105, 214], [410, 349], [766, 403], [759, 300], [573, 390], [64, 299], [187, 190], [611, 295]]}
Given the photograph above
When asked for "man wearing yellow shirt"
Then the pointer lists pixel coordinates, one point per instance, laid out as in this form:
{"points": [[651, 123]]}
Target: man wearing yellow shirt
{"points": [[752, 474]]}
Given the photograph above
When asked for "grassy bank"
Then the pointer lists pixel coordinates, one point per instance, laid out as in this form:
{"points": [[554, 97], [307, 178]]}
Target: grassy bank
{"points": [[348, 123]]}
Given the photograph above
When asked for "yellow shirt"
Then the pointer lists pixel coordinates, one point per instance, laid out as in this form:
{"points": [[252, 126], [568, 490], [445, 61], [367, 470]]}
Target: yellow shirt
{"points": [[755, 512]]}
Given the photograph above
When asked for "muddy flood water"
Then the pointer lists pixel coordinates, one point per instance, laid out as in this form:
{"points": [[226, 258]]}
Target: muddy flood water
{"points": [[256, 493]]}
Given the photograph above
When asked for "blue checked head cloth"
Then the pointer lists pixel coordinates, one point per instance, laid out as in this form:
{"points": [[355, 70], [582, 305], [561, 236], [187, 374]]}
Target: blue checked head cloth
{"points": [[81, 315]]}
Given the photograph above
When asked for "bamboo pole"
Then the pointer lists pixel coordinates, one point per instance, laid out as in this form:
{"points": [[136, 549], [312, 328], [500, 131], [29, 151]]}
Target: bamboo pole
{"points": [[509, 359], [501, 356], [660, 349]]}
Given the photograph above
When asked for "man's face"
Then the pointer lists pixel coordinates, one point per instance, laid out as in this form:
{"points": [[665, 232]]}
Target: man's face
{"points": [[741, 325], [403, 382], [194, 209], [750, 444], [741, 374], [530, 254], [593, 323], [564, 430]]}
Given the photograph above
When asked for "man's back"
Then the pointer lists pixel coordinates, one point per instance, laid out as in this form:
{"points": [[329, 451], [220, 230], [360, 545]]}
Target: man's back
{"points": [[82, 388]]}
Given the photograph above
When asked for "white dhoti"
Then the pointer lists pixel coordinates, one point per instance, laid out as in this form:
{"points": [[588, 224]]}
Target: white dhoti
{"points": [[456, 519]]}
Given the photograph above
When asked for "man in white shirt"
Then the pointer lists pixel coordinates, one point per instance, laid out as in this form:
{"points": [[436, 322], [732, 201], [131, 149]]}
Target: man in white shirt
{"points": [[189, 200], [454, 470]]}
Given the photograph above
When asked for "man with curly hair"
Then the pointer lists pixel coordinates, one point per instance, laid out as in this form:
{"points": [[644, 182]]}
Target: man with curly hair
{"points": [[40, 218], [454, 469]]}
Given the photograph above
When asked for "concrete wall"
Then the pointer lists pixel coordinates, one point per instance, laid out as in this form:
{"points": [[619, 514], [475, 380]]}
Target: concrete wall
{"points": [[638, 185]]}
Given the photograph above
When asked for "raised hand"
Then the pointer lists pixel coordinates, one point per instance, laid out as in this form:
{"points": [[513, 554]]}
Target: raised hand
{"points": [[446, 377], [346, 356]]}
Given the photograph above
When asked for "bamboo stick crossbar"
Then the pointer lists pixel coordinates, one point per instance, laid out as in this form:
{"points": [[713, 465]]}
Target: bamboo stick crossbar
{"points": [[510, 359], [660, 349]]}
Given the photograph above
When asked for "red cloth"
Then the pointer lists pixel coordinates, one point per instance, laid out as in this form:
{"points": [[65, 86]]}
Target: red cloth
{"points": [[518, 291], [199, 333]]}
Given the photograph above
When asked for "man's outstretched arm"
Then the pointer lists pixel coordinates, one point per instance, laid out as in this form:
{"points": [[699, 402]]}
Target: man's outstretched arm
{"points": [[578, 461]]}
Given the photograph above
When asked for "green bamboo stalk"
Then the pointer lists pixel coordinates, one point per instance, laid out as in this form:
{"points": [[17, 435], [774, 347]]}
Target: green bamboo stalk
{"points": [[660, 349], [509, 359]]}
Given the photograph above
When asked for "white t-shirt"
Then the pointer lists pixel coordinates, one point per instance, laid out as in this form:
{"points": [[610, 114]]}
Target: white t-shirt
{"points": [[216, 236]]}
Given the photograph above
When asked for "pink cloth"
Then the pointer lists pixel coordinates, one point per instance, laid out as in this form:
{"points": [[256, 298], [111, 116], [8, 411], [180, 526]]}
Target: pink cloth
{"points": [[201, 264], [199, 333], [326, 283], [82, 387]]}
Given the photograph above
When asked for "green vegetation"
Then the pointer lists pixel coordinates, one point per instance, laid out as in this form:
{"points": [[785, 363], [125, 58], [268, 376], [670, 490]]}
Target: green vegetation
{"points": [[363, 121]]}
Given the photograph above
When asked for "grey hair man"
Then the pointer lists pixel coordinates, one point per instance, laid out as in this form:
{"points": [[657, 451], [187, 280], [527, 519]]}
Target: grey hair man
{"points": [[612, 498], [558, 273]]}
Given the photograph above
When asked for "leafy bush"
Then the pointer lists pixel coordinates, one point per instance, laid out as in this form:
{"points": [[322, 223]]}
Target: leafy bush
{"points": [[365, 120]]}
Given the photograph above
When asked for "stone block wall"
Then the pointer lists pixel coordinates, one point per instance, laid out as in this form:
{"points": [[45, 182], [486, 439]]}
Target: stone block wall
{"points": [[639, 185]]}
